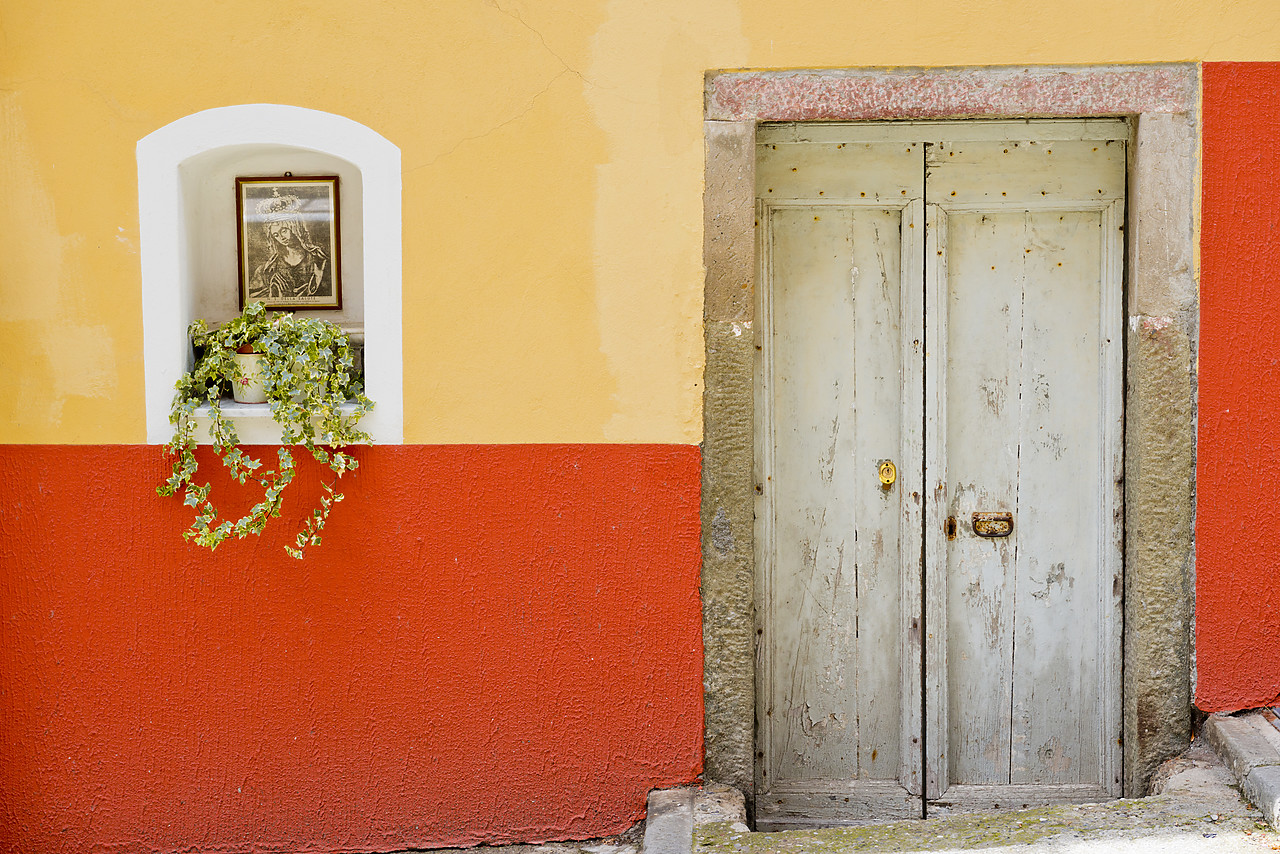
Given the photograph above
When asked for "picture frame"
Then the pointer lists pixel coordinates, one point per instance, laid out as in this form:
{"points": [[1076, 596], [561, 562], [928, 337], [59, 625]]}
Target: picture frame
{"points": [[289, 242]]}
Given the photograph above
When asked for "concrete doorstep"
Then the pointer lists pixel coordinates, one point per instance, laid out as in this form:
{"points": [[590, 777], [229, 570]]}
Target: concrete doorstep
{"points": [[674, 815], [668, 824], [1250, 746], [1195, 807]]}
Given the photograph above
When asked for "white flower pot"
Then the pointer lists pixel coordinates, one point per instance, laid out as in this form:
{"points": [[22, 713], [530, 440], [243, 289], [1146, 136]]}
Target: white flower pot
{"points": [[249, 388]]}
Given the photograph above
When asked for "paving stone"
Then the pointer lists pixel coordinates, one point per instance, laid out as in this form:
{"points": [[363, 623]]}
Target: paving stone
{"points": [[1262, 787], [668, 826]]}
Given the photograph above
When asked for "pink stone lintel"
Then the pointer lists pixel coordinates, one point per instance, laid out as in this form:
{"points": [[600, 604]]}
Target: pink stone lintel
{"points": [[862, 94]]}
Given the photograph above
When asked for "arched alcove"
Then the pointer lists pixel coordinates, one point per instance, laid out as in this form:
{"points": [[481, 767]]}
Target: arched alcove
{"points": [[186, 202]]}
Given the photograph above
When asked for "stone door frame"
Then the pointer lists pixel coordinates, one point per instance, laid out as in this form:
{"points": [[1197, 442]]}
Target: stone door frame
{"points": [[1161, 102]]}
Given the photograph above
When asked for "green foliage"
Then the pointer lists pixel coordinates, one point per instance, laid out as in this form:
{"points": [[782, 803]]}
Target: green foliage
{"points": [[308, 376]]}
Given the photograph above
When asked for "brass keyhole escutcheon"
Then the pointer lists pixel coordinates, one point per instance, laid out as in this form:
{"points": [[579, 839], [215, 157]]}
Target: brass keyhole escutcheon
{"points": [[888, 474]]}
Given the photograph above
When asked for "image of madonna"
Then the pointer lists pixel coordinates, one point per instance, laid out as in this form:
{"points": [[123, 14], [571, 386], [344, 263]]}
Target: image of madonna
{"points": [[296, 267]]}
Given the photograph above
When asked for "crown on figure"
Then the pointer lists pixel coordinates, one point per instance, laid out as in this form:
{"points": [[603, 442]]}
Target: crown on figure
{"points": [[279, 207]]}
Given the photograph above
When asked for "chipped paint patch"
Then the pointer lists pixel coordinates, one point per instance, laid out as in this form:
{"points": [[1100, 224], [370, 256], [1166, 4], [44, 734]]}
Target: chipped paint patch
{"points": [[1149, 325]]}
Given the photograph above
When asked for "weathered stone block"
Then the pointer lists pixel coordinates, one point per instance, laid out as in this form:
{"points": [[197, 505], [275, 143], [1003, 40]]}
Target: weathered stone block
{"points": [[728, 226], [728, 589], [1159, 489]]}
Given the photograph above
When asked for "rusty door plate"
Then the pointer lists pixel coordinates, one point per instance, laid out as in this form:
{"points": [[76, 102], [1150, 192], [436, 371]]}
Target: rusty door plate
{"points": [[993, 524]]}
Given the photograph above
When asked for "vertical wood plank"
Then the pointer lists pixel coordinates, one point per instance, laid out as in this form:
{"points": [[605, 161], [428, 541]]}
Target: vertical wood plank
{"points": [[815, 610], [1057, 699], [985, 277], [912, 498], [937, 506], [762, 473], [1111, 513], [878, 414]]}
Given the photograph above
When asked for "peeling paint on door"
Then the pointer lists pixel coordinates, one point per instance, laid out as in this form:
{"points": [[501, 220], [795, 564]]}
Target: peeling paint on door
{"points": [[1012, 281]]}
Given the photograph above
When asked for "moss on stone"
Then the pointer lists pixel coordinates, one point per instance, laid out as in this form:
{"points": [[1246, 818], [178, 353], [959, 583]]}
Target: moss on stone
{"points": [[1117, 819]]}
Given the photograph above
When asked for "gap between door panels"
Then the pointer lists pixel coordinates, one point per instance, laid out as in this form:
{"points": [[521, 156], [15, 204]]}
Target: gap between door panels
{"points": [[924, 520]]}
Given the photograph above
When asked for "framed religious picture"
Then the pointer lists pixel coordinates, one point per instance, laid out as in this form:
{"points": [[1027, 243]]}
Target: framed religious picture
{"points": [[288, 241]]}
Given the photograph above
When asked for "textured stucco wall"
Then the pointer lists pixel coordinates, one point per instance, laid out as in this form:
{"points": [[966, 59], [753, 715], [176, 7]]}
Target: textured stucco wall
{"points": [[553, 161], [1238, 485], [491, 644]]}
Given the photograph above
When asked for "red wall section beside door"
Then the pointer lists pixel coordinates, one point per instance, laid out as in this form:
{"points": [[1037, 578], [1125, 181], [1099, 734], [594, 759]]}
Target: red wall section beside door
{"points": [[492, 643], [1238, 469]]}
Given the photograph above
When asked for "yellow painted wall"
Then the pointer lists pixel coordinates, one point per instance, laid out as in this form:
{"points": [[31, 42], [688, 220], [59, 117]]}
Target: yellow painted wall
{"points": [[552, 159]]}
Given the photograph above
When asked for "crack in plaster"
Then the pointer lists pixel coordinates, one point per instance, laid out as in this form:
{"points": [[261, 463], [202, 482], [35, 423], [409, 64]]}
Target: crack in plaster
{"points": [[516, 16], [517, 117]]}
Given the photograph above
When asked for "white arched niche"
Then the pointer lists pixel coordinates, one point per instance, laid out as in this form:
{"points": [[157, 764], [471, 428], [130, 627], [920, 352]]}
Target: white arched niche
{"points": [[186, 206]]}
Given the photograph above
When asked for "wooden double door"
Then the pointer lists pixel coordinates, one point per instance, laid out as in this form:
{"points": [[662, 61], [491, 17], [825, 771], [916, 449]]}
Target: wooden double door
{"points": [[939, 464]]}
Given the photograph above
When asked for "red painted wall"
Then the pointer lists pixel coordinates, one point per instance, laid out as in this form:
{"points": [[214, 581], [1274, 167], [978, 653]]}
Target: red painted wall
{"points": [[492, 643], [1238, 469]]}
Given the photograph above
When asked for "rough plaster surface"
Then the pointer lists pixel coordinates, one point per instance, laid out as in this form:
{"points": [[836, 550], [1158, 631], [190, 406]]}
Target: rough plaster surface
{"points": [[1238, 479], [1160, 425], [1159, 482], [948, 93], [492, 643], [728, 588], [728, 228]]}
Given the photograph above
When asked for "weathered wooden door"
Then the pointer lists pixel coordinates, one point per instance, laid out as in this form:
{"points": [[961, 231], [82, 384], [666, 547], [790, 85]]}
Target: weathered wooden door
{"points": [[939, 407]]}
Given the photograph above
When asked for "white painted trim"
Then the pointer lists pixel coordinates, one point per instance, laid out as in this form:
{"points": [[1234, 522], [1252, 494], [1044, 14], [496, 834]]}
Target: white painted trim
{"points": [[167, 279]]}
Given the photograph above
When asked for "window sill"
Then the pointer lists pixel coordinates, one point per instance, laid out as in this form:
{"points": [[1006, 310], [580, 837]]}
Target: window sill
{"points": [[252, 421]]}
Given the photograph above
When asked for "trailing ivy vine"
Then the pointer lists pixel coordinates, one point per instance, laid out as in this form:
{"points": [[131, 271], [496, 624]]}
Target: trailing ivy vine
{"points": [[309, 377]]}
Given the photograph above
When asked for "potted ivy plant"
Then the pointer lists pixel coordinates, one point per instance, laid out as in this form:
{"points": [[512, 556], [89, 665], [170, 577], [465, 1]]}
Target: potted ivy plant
{"points": [[309, 382]]}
